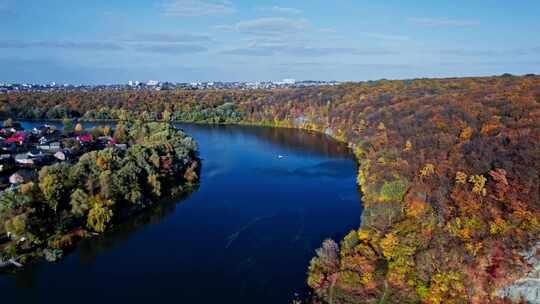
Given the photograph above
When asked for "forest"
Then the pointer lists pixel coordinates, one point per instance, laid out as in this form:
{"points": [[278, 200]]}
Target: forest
{"points": [[449, 170], [67, 202]]}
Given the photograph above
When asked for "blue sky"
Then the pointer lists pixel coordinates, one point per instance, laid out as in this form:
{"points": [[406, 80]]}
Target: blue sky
{"points": [[106, 41]]}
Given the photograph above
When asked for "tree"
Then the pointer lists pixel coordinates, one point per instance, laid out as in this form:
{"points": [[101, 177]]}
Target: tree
{"points": [[461, 178], [8, 123], [466, 133], [153, 181], [120, 134], [428, 170], [106, 130], [79, 202], [12, 199], [79, 128], [16, 227], [68, 126], [393, 191], [96, 132], [100, 214], [408, 146], [107, 187], [479, 182], [54, 184], [166, 115]]}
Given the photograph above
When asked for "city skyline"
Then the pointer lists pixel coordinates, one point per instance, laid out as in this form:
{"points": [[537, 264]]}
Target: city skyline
{"points": [[203, 40]]}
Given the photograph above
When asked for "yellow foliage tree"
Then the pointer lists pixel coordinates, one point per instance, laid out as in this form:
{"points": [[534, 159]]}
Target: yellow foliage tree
{"points": [[100, 214], [428, 170], [479, 184], [466, 134], [408, 146], [461, 178], [106, 130]]}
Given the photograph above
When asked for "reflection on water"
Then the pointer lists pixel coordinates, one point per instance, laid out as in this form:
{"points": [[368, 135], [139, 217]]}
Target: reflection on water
{"points": [[329, 169], [246, 236], [300, 141], [92, 248]]}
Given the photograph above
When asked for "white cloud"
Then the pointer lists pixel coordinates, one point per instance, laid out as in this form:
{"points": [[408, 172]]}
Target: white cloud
{"points": [[269, 26], [197, 8], [170, 48], [443, 22], [380, 36], [280, 10], [304, 51], [68, 45], [167, 37], [491, 52]]}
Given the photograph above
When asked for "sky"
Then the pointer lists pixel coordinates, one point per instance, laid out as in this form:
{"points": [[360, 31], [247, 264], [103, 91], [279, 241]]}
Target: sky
{"points": [[113, 41]]}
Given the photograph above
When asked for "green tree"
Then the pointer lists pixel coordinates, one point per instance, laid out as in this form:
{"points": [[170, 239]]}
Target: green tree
{"points": [[16, 226], [55, 184], [166, 115], [96, 132], [79, 202], [68, 126]]}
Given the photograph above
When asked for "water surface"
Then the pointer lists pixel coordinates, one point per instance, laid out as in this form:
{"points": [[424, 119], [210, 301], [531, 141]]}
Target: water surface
{"points": [[268, 198]]}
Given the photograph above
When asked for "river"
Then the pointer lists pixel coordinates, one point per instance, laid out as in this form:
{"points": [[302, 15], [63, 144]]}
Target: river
{"points": [[268, 198]]}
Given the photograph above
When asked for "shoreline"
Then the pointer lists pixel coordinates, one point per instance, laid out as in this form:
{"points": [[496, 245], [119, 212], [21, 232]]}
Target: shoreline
{"points": [[182, 181]]}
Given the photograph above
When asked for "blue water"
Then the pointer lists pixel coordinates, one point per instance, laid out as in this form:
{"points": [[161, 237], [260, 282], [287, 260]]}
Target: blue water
{"points": [[246, 236]]}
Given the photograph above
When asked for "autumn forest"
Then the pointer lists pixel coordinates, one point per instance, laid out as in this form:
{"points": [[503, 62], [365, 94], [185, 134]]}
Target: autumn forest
{"points": [[449, 171]]}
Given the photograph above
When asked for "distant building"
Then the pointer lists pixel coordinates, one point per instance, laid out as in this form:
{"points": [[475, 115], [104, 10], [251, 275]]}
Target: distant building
{"points": [[289, 81]]}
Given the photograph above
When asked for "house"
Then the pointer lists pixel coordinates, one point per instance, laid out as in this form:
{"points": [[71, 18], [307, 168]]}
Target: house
{"points": [[63, 155], [22, 176], [51, 147], [19, 138], [24, 159], [84, 138]]}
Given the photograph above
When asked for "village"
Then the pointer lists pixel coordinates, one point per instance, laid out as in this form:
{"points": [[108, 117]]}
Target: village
{"points": [[23, 152]]}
